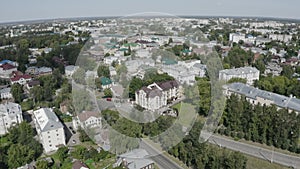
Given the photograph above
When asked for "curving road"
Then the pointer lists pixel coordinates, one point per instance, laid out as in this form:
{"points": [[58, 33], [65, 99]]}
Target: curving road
{"points": [[161, 160], [272, 156]]}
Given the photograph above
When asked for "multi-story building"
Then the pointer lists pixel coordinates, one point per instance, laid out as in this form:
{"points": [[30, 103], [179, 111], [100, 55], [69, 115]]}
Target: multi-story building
{"points": [[157, 95], [257, 96], [10, 115], [249, 73], [49, 129], [236, 37]]}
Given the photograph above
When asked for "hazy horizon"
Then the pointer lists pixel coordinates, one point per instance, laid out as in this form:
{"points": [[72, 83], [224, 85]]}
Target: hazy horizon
{"points": [[16, 11]]}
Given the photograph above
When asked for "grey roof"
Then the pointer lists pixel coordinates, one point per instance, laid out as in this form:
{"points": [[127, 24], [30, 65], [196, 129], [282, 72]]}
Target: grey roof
{"points": [[136, 159], [139, 163], [44, 69], [252, 92], [10, 109], [71, 68], [47, 119], [238, 71], [5, 90], [136, 153]]}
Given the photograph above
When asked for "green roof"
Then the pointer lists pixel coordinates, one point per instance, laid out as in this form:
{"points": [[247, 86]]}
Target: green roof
{"points": [[169, 61], [105, 81], [186, 51], [130, 44], [123, 49]]}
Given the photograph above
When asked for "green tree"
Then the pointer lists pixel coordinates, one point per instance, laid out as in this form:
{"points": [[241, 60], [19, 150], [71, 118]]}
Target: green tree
{"points": [[108, 93], [287, 71], [79, 76], [17, 92], [42, 164], [62, 153], [103, 71], [19, 155], [235, 80]]}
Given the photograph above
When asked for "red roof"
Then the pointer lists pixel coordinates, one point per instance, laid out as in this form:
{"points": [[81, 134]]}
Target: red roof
{"points": [[78, 165], [17, 78], [7, 66], [17, 73]]}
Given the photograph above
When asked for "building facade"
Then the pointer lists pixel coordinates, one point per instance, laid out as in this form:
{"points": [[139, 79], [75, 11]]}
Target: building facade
{"points": [[10, 115], [157, 95], [87, 119], [256, 96], [49, 129], [249, 73]]}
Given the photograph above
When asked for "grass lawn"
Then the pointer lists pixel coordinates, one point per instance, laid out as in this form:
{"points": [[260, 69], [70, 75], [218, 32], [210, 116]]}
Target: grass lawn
{"points": [[254, 163], [263, 146], [106, 163], [187, 114]]}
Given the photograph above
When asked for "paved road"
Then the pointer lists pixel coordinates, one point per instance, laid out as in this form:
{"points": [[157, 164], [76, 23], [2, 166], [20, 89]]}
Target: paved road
{"points": [[161, 160], [272, 156]]}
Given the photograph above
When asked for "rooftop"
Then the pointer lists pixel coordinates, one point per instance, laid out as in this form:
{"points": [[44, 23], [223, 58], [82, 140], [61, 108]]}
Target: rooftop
{"points": [[10, 109], [47, 119], [252, 92], [87, 114], [105, 81]]}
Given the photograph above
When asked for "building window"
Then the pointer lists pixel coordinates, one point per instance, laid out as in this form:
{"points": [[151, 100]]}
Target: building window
{"points": [[48, 136], [50, 145]]}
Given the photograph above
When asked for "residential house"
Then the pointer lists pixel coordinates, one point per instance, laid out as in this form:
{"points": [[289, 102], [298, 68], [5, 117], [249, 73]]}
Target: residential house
{"points": [[106, 83], [44, 71], [87, 119], [10, 115], [32, 83], [135, 159], [70, 70], [79, 165], [20, 79], [49, 129]]}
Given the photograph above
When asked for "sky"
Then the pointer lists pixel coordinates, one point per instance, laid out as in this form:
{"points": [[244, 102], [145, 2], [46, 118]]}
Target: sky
{"points": [[22, 10]]}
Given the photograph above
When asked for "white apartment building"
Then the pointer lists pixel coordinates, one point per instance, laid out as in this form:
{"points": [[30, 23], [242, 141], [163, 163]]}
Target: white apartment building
{"points": [[236, 37], [10, 115], [49, 129], [157, 95], [249, 73], [185, 71]]}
